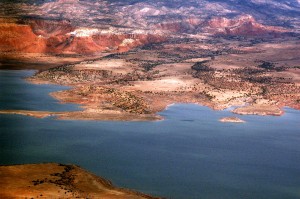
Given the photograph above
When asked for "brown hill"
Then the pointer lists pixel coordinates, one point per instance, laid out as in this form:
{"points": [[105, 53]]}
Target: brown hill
{"points": [[58, 181]]}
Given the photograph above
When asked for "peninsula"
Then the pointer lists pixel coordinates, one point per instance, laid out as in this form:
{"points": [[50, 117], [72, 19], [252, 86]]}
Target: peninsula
{"points": [[58, 181]]}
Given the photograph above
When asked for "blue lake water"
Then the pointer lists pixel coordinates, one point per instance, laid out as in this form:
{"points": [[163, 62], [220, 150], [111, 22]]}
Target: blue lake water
{"points": [[188, 155], [15, 93]]}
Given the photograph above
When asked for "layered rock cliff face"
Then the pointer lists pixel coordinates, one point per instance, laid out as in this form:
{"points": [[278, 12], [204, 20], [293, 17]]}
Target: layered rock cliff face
{"points": [[46, 36], [20, 38], [73, 26], [49, 28]]}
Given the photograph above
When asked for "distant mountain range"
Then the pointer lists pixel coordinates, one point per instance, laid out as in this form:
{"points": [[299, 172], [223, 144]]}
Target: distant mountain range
{"points": [[53, 25], [273, 12]]}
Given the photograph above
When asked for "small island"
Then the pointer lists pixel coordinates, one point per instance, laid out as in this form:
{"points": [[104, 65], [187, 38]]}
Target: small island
{"points": [[232, 120], [259, 109]]}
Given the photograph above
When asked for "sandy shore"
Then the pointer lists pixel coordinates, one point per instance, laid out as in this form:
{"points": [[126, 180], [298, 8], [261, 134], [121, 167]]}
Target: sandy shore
{"points": [[86, 115], [58, 181], [36, 114]]}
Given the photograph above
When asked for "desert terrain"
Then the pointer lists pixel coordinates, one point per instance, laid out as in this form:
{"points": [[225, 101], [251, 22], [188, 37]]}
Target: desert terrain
{"points": [[129, 60], [137, 84], [131, 69]]}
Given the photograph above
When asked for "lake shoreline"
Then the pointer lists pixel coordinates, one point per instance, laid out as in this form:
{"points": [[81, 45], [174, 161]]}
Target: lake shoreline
{"points": [[92, 112]]}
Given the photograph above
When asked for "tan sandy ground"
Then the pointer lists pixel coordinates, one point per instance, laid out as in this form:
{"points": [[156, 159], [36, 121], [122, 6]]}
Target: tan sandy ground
{"points": [[58, 181]]}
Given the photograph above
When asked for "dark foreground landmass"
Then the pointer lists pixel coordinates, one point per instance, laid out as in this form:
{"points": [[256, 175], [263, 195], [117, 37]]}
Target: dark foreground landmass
{"points": [[53, 180]]}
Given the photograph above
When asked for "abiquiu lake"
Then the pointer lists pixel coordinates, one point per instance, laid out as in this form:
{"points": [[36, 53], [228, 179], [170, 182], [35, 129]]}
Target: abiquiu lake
{"points": [[188, 155]]}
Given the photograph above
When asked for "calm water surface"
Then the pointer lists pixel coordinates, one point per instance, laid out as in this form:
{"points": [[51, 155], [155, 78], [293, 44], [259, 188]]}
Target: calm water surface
{"points": [[188, 155]]}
